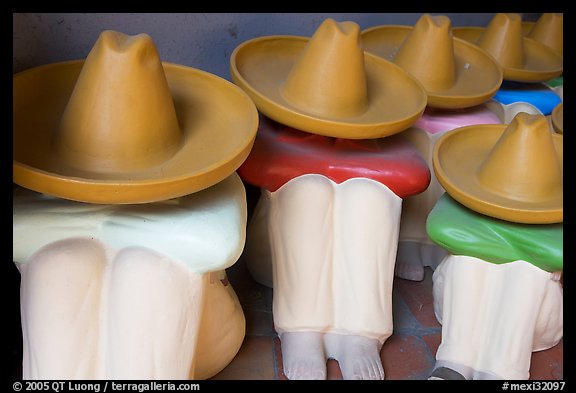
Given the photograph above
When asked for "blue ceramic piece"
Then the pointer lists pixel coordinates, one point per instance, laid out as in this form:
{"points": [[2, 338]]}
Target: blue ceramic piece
{"points": [[537, 94]]}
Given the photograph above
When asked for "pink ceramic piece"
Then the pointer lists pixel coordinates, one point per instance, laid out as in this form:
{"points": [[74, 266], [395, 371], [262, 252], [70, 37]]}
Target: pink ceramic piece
{"points": [[436, 120], [281, 153]]}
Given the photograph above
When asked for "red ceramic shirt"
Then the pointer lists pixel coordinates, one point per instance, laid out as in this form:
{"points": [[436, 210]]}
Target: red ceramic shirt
{"points": [[281, 153]]}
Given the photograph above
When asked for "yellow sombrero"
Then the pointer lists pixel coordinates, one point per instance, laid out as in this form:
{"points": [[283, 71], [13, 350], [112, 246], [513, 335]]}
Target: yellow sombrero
{"points": [[455, 73], [327, 84], [548, 29], [123, 127], [557, 117], [513, 171], [522, 59]]}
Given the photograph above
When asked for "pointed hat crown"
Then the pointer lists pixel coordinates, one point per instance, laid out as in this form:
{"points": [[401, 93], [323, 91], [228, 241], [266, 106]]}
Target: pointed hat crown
{"points": [[120, 120]]}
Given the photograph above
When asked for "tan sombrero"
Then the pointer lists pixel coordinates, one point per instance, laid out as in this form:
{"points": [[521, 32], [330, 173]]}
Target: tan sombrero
{"points": [[513, 171], [557, 117], [549, 30], [522, 59], [122, 127], [327, 84], [455, 73]]}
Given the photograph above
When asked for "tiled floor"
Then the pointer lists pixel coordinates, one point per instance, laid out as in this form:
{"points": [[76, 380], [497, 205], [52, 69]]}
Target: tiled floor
{"points": [[407, 355]]}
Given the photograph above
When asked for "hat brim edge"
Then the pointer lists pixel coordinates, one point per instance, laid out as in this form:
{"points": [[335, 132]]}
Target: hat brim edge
{"points": [[137, 190], [475, 199], [453, 98], [287, 114]]}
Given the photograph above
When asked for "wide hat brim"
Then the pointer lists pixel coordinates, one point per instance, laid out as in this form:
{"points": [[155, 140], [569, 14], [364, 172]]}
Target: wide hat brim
{"points": [[261, 66], [218, 122], [557, 118], [478, 75], [456, 158], [540, 62]]}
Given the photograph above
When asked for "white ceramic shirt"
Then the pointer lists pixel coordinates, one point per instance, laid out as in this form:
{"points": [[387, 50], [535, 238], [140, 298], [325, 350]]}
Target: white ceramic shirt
{"points": [[205, 230]]}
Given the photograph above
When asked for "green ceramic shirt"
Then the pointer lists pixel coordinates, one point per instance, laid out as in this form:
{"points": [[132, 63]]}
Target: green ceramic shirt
{"points": [[558, 81], [462, 231]]}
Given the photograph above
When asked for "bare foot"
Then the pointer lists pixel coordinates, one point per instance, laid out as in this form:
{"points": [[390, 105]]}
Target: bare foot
{"points": [[303, 355], [408, 262], [358, 356], [413, 257]]}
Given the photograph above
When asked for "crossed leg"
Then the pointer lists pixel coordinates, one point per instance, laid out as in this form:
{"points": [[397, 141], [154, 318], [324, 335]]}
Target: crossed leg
{"points": [[154, 312], [333, 250], [91, 312], [300, 220], [494, 316], [61, 290]]}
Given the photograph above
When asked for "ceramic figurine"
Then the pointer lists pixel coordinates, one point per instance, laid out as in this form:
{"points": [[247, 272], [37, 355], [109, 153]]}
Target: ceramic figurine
{"points": [[529, 57], [454, 72], [522, 59], [548, 30], [282, 154], [333, 174], [129, 216], [498, 294], [460, 80], [547, 95]]}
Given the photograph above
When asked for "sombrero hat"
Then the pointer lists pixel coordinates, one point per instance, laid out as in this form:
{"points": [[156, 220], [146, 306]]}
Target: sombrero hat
{"points": [[508, 171], [327, 84], [455, 73], [523, 59], [557, 118], [549, 30], [122, 127]]}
